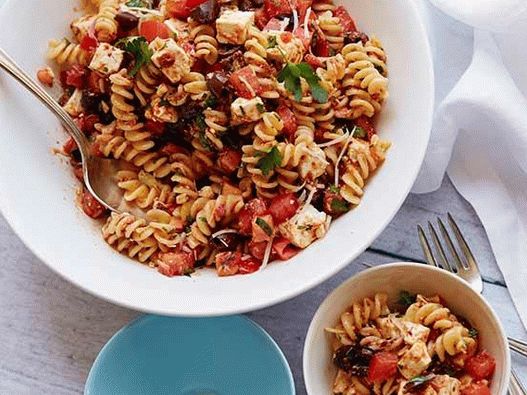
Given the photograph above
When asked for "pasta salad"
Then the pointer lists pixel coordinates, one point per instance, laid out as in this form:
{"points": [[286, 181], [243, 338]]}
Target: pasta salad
{"points": [[248, 124], [419, 348]]}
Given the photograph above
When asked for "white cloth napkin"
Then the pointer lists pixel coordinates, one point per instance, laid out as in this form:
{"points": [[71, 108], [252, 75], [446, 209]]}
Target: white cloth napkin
{"points": [[479, 136]]}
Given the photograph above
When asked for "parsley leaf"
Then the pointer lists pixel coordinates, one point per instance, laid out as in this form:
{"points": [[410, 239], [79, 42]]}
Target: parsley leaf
{"points": [[473, 333], [204, 141], [334, 189], [339, 206], [264, 226], [269, 161], [138, 3], [260, 107], [271, 42], [202, 127], [137, 46], [200, 123], [360, 132], [290, 76], [418, 381], [406, 298], [212, 101], [319, 93]]}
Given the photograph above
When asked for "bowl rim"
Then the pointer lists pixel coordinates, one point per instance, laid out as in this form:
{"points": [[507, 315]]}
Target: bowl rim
{"points": [[317, 317], [107, 294]]}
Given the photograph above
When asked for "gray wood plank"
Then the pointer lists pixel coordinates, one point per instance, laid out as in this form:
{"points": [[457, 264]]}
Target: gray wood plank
{"points": [[400, 237]]}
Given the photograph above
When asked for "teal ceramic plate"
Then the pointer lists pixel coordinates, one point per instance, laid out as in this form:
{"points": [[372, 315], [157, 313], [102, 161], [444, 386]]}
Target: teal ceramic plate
{"points": [[190, 356]]}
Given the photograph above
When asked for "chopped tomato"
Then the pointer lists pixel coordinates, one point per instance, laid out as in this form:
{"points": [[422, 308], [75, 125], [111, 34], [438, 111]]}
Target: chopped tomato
{"points": [[88, 124], [228, 263], [95, 82], [251, 209], [273, 24], [89, 43], [286, 37], [175, 263], [245, 82], [75, 76], [346, 20], [289, 120], [476, 389], [260, 18], [248, 264], [277, 7], [95, 149], [383, 366], [366, 124], [283, 248], [257, 250], [182, 8], [156, 128], [229, 160], [152, 28], [481, 366], [301, 7], [171, 149], [321, 47], [91, 206], [313, 61], [283, 207], [262, 228], [69, 146], [45, 76]]}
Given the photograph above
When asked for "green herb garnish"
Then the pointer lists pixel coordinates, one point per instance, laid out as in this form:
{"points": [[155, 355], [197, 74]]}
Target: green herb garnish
{"points": [[419, 380], [271, 42], [339, 206], [264, 226], [473, 333], [137, 46], [290, 76], [334, 189], [188, 272], [406, 299], [211, 101], [260, 107], [164, 103], [359, 132], [269, 160], [138, 3]]}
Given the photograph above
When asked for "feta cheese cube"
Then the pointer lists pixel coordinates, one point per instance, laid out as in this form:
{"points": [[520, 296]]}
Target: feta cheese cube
{"points": [[313, 165], [414, 361], [414, 332], [171, 59], [81, 26], [305, 227], [246, 110], [232, 27], [74, 104], [107, 59]]}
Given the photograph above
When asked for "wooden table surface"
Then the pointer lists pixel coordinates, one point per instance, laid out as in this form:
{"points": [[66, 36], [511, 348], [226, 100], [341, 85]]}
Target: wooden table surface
{"points": [[51, 331]]}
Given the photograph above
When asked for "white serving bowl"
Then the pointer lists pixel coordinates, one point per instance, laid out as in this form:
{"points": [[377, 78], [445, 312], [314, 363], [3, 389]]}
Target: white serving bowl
{"points": [[319, 371], [37, 187]]}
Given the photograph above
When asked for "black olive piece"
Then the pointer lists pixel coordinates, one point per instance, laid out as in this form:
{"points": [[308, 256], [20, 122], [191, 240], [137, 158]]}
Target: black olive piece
{"points": [[353, 359], [226, 242], [217, 83], [249, 5], [126, 20], [90, 102], [205, 12], [355, 37], [76, 156]]}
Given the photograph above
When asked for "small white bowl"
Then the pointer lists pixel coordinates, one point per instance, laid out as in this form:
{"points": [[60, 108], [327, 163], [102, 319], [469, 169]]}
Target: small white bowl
{"points": [[319, 370]]}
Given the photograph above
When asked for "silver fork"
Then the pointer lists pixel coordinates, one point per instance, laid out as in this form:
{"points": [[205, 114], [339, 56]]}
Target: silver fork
{"points": [[467, 269]]}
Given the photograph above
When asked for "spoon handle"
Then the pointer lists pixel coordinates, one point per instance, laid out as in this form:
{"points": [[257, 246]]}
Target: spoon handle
{"points": [[21, 76]]}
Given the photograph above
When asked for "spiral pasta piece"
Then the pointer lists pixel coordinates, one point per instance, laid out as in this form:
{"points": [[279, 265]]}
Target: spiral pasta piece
{"points": [[269, 126], [105, 24], [206, 44], [143, 189], [332, 29], [194, 83], [66, 53], [146, 82]]}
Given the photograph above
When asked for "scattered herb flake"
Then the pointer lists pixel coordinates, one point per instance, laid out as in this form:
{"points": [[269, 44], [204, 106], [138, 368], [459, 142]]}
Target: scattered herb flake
{"points": [[212, 101], [260, 107], [188, 229], [205, 142], [339, 206], [418, 381], [138, 3], [406, 299], [188, 272], [264, 226], [360, 132], [164, 102], [334, 189], [269, 161], [137, 46], [473, 333], [271, 42], [203, 219]]}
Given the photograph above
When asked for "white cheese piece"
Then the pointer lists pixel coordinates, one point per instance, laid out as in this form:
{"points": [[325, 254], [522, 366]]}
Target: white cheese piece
{"points": [[246, 110], [313, 165], [171, 59], [81, 26], [232, 27], [74, 106], [414, 332], [414, 361], [305, 227], [107, 59]]}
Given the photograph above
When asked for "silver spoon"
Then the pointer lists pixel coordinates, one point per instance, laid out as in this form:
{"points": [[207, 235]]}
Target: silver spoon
{"points": [[98, 173]]}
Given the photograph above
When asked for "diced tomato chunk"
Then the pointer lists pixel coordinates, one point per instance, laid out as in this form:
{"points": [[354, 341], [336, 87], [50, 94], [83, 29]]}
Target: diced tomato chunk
{"points": [[251, 209], [228, 263], [283, 248], [182, 8], [95, 82], [156, 128], [301, 7], [262, 228], [476, 389], [383, 366], [171, 149], [346, 20], [91, 206], [277, 7], [257, 250], [313, 61], [283, 207], [321, 47], [273, 24], [152, 28], [366, 124], [286, 37], [240, 80], [69, 146], [481, 366], [176, 263], [89, 122], [261, 18], [89, 42], [75, 76], [229, 160], [289, 120], [248, 264]]}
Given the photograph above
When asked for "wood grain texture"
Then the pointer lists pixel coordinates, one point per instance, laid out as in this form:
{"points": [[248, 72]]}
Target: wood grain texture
{"points": [[52, 331]]}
